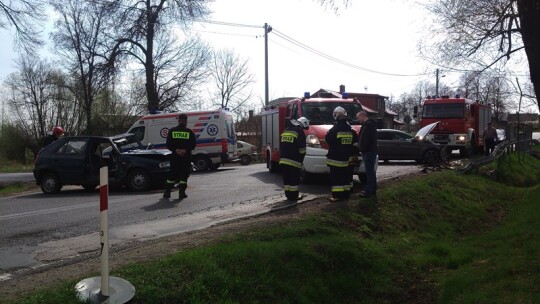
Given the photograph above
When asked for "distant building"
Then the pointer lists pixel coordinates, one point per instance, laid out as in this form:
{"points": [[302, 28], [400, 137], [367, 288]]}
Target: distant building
{"points": [[524, 118], [373, 104]]}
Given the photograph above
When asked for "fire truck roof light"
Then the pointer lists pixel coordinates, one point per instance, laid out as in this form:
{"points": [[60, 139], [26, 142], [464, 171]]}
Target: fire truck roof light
{"points": [[345, 95], [306, 94], [458, 96]]}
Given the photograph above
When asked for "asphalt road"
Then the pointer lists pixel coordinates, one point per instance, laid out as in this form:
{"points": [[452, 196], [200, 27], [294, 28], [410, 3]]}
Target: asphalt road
{"points": [[37, 229]]}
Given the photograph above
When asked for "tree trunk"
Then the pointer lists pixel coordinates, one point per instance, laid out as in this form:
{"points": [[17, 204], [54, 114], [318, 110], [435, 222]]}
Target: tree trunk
{"points": [[529, 16], [151, 86]]}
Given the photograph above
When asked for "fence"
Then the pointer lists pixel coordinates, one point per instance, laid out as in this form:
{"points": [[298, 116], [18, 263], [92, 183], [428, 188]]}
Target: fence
{"points": [[518, 139]]}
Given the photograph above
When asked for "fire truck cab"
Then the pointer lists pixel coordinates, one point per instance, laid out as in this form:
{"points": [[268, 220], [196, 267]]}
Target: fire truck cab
{"points": [[319, 113], [461, 125]]}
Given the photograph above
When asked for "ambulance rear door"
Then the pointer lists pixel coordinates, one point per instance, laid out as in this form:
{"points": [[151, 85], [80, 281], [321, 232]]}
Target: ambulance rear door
{"points": [[229, 136]]}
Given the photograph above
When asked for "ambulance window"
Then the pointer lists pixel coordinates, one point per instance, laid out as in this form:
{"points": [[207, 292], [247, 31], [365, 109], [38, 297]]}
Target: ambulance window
{"points": [[138, 132]]}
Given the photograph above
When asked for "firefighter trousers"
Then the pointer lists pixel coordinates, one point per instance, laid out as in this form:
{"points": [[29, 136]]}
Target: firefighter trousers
{"points": [[178, 173], [340, 180], [291, 181]]}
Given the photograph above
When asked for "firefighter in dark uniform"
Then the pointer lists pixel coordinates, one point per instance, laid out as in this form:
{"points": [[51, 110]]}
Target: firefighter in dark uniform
{"points": [[292, 148], [181, 141], [340, 139]]}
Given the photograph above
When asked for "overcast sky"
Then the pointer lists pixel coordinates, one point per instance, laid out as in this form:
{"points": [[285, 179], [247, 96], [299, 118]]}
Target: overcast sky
{"points": [[371, 46]]}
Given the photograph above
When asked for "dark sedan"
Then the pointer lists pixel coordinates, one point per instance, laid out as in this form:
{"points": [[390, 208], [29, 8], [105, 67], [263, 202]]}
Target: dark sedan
{"points": [[76, 160], [398, 145]]}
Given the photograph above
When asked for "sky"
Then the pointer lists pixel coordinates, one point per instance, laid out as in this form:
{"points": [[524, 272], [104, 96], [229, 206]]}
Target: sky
{"points": [[380, 36], [375, 41]]}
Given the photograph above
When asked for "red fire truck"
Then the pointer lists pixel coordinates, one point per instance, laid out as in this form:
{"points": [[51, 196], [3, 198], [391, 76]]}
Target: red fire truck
{"points": [[462, 122], [319, 113]]}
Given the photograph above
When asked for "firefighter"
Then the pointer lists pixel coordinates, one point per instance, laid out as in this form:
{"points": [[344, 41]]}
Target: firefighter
{"points": [[340, 139], [181, 141], [53, 136], [293, 150]]}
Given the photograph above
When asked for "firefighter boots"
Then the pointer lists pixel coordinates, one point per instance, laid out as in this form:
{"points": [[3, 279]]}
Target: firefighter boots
{"points": [[167, 193], [182, 192]]}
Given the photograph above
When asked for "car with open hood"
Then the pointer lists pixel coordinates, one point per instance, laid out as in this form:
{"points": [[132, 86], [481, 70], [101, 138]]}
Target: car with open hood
{"points": [[76, 160], [399, 145]]}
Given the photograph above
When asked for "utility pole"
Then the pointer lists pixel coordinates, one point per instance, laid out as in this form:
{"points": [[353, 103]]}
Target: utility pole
{"points": [[267, 29]]}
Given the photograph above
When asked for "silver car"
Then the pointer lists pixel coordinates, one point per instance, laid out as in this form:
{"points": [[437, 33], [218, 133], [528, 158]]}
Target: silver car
{"points": [[246, 152]]}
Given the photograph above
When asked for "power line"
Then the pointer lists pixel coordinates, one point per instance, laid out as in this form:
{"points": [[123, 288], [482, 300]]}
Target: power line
{"points": [[326, 56], [309, 49], [223, 33], [229, 24]]}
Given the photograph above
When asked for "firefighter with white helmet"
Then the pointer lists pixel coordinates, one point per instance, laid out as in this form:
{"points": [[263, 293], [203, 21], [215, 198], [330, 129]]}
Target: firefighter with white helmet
{"points": [[55, 133], [340, 139], [293, 150]]}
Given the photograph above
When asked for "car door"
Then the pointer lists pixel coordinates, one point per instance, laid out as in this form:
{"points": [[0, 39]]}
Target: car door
{"points": [[406, 147], [70, 161], [385, 145]]}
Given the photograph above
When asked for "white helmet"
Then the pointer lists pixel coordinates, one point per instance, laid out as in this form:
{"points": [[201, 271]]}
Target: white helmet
{"points": [[339, 111], [304, 122]]}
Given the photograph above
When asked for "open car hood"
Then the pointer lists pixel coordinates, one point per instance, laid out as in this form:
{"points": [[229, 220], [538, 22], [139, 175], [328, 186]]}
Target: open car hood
{"points": [[422, 133], [128, 145]]}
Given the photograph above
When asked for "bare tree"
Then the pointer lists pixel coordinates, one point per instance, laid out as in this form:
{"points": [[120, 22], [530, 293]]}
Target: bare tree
{"points": [[38, 101], [139, 22], [25, 16], [80, 38], [232, 80], [179, 69], [481, 33], [489, 87]]}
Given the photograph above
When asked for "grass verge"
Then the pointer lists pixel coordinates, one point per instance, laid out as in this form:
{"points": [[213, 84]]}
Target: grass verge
{"points": [[438, 238]]}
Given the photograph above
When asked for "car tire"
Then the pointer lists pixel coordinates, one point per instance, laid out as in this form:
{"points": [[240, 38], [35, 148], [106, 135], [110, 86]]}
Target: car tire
{"points": [[214, 167], [50, 183], [202, 163], [138, 180], [245, 160], [431, 156], [306, 177]]}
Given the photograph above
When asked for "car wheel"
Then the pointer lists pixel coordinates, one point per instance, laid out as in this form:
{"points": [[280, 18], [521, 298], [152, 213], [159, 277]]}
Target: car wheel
{"points": [[306, 177], [245, 160], [89, 187], [431, 157], [50, 183], [138, 180], [202, 163]]}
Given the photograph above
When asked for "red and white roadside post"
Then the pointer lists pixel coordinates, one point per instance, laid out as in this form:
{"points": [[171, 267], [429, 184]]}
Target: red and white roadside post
{"points": [[104, 225], [104, 289]]}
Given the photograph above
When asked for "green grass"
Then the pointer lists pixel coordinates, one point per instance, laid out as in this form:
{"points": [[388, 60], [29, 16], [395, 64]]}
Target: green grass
{"points": [[14, 188], [438, 238], [12, 167]]}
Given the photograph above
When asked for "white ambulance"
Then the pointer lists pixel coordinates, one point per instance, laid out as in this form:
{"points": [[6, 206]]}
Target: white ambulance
{"points": [[214, 130]]}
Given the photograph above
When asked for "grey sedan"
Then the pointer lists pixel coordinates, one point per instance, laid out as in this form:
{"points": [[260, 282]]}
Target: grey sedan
{"points": [[398, 145]]}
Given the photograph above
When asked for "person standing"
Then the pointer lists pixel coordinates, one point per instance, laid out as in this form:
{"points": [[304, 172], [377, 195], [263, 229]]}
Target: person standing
{"points": [[180, 141], [367, 145], [56, 133], [340, 139], [292, 147], [490, 137]]}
